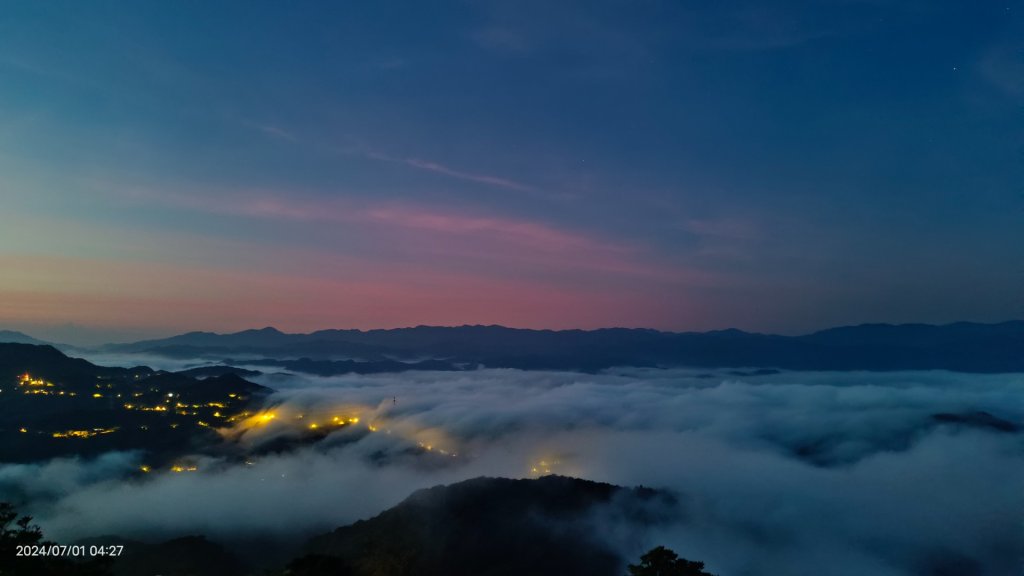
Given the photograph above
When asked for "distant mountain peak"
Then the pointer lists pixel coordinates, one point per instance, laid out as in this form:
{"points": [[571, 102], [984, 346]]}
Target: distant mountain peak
{"points": [[268, 330], [13, 336]]}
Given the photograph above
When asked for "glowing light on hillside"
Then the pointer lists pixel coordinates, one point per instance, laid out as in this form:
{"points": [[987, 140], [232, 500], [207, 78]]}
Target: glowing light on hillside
{"points": [[84, 433], [250, 428], [26, 379], [544, 467]]}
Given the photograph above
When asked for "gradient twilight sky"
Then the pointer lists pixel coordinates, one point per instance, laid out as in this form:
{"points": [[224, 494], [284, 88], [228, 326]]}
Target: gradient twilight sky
{"points": [[782, 166]]}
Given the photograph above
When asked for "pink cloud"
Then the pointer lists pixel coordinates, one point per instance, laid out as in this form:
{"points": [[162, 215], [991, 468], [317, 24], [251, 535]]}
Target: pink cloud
{"points": [[378, 264], [460, 237], [523, 232], [519, 232]]}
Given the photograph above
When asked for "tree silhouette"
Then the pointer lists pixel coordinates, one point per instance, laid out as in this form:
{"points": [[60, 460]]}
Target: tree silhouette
{"points": [[15, 532], [661, 561]]}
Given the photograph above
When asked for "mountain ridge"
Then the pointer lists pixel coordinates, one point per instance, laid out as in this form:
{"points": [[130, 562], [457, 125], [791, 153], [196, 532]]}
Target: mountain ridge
{"points": [[334, 331], [16, 337], [962, 346]]}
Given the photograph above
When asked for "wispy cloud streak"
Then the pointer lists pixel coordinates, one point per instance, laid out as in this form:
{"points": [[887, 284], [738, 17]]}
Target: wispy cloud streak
{"points": [[437, 168]]}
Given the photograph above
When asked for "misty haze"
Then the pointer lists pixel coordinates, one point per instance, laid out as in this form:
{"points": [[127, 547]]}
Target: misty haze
{"points": [[882, 472]]}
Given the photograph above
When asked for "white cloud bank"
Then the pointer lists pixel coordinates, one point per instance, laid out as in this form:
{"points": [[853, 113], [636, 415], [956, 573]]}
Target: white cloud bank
{"points": [[793, 473]]}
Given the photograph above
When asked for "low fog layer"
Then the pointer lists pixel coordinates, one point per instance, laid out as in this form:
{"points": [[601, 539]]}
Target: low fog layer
{"points": [[792, 473]]}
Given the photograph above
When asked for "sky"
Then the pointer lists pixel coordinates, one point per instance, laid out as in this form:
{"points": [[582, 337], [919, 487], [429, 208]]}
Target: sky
{"points": [[779, 167]]}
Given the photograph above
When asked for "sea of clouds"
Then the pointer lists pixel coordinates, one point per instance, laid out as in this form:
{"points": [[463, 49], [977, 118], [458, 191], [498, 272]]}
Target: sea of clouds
{"points": [[789, 473]]}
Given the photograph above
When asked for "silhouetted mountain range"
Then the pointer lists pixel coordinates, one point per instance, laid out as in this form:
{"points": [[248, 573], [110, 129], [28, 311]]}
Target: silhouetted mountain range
{"points": [[966, 347], [202, 372]]}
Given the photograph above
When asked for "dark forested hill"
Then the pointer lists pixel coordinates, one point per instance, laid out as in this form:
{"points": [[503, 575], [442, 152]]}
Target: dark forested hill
{"points": [[495, 526], [54, 405]]}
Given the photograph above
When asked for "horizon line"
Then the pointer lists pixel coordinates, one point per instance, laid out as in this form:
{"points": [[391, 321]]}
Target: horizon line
{"points": [[531, 329]]}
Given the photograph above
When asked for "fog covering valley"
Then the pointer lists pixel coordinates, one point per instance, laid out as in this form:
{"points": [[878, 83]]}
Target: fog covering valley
{"points": [[773, 472]]}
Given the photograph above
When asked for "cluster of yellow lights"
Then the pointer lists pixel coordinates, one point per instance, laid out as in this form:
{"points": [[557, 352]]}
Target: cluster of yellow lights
{"points": [[429, 440], [240, 416], [435, 450], [157, 408], [183, 409], [247, 420], [84, 433], [544, 467], [322, 421], [26, 379], [243, 420], [38, 386], [336, 422]]}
